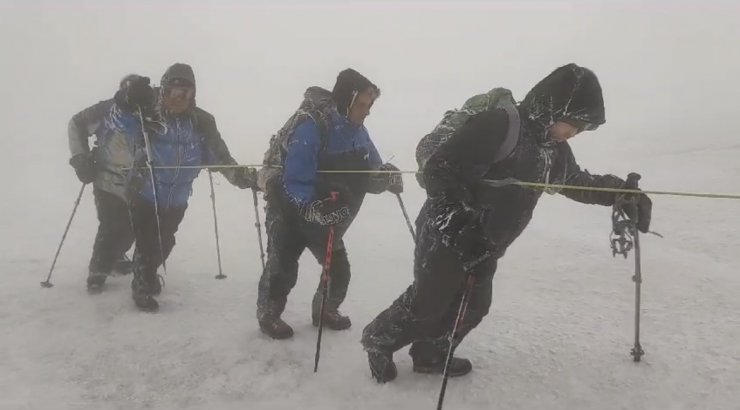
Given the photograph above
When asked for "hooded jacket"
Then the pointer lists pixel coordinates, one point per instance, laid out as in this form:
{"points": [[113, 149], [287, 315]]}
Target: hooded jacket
{"points": [[188, 139], [336, 145], [455, 174], [320, 137]]}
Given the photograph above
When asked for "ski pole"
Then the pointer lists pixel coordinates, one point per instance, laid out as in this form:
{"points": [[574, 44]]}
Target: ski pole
{"points": [[46, 283], [150, 165], [258, 226], [625, 237], [406, 217], [632, 180], [325, 283], [458, 320], [637, 351], [215, 226]]}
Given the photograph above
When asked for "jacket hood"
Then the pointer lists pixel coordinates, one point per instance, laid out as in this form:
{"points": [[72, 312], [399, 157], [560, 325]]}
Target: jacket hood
{"points": [[569, 92], [349, 84], [178, 74]]}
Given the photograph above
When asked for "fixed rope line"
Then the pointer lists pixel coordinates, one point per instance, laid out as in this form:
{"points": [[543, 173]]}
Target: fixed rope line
{"points": [[491, 182]]}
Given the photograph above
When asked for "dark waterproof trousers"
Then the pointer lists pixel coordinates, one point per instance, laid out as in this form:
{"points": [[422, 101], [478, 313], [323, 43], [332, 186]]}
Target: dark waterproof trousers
{"points": [[115, 235], [425, 313], [288, 235], [147, 256]]}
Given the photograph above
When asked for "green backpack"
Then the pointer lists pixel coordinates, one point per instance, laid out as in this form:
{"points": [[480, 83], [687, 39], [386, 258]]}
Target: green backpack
{"points": [[453, 120], [317, 105]]}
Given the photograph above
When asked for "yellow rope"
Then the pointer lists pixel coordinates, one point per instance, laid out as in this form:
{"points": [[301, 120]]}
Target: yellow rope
{"points": [[615, 190], [491, 182]]}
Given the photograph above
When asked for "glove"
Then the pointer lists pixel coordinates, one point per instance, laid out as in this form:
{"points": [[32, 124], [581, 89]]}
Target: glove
{"points": [[395, 180], [84, 165], [461, 229], [135, 92], [245, 178], [327, 211], [386, 181], [473, 246], [640, 207]]}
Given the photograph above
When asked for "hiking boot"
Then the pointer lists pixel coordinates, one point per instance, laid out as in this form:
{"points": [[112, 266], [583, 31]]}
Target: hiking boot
{"points": [[151, 285], [156, 285], [275, 327], [123, 266], [96, 281], [145, 303], [458, 367], [143, 290], [332, 318], [382, 367]]}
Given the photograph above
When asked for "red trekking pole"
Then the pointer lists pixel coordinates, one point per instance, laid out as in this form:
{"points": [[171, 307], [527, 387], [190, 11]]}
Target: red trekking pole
{"points": [[458, 320], [325, 279]]}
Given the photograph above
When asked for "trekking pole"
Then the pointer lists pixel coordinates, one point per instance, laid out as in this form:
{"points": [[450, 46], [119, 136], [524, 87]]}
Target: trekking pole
{"points": [[215, 226], [458, 320], [637, 351], [625, 237], [150, 165], [406, 217], [325, 283], [258, 225], [46, 283]]}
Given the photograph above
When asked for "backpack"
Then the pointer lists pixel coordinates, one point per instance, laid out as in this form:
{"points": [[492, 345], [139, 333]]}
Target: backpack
{"points": [[453, 120], [317, 105]]}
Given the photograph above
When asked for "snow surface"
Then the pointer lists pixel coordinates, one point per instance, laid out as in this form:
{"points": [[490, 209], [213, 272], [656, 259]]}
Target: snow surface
{"points": [[560, 329]]}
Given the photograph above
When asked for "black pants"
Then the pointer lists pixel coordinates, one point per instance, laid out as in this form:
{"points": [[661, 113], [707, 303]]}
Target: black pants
{"points": [[425, 313], [115, 235], [287, 237], [147, 256]]}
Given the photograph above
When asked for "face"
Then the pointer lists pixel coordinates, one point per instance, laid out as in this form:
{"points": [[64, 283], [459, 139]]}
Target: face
{"points": [[360, 108], [568, 128], [177, 99], [562, 131]]}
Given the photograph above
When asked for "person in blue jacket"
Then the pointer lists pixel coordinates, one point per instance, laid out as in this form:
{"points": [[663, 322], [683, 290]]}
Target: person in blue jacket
{"points": [[325, 134], [183, 138]]}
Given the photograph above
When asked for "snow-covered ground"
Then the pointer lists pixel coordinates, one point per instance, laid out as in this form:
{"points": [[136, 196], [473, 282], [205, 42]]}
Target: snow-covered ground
{"points": [[560, 329]]}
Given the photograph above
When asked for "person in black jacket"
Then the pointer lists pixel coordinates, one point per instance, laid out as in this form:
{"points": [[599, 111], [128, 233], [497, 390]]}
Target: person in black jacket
{"points": [[466, 225]]}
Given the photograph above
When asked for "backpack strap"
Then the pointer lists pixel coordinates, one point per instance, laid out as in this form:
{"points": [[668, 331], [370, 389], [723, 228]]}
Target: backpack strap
{"points": [[512, 134]]}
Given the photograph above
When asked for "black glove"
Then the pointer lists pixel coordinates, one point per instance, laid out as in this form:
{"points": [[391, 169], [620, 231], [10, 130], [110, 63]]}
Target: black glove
{"points": [[135, 92], [462, 229], [386, 181], [327, 211], [245, 178], [640, 207], [473, 246], [84, 165], [395, 180], [643, 209]]}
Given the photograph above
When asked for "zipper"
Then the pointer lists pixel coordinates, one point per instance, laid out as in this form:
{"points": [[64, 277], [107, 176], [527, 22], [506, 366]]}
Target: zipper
{"points": [[548, 166]]}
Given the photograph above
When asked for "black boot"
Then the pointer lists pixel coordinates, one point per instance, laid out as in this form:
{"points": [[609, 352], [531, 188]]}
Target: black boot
{"points": [[275, 327], [143, 292], [332, 318], [268, 317], [123, 266], [96, 281], [382, 367], [458, 366]]}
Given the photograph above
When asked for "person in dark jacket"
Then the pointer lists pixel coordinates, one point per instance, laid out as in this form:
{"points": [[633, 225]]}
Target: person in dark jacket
{"points": [[466, 225], [182, 136], [325, 134]]}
